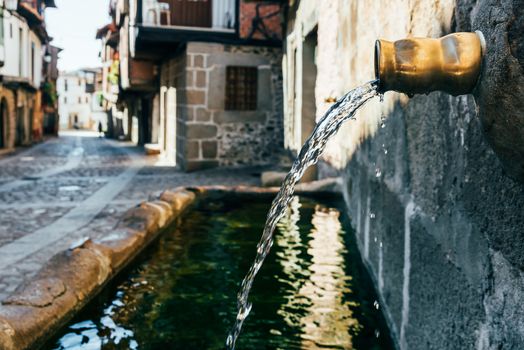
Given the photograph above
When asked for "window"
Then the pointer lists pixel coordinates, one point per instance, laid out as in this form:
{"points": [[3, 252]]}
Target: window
{"points": [[241, 88], [65, 84], [1, 26], [21, 51], [65, 100], [79, 99], [32, 62]]}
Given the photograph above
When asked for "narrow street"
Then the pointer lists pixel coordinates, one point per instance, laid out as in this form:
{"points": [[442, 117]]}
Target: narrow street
{"points": [[73, 187]]}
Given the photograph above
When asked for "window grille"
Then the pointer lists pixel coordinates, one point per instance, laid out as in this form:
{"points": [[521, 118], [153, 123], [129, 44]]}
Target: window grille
{"points": [[241, 88]]}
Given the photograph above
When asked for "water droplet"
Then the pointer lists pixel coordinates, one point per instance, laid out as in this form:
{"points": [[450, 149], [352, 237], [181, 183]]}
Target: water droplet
{"points": [[377, 333], [378, 172], [380, 244], [371, 215], [382, 125], [376, 304], [375, 239], [385, 151]]}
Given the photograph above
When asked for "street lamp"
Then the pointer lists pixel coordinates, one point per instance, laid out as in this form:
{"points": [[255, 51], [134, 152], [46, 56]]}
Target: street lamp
{"points": [[11, 5]]}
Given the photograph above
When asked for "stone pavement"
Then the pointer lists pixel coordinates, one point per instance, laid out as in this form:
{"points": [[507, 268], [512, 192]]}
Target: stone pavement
{"points": [[78, 186]]}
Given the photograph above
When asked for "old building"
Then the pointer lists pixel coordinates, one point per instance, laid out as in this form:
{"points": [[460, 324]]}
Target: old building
{"points": [[436, 208], [117, 123], [202, 79], [49, 93], [23, 39], [80, 99]]}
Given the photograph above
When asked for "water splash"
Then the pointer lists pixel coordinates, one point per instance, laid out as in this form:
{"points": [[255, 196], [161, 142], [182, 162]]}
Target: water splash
{"points": [[342, 110]]}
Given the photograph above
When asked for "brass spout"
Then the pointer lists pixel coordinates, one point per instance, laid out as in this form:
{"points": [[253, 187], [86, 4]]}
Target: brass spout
{"points": [[421, 65]]}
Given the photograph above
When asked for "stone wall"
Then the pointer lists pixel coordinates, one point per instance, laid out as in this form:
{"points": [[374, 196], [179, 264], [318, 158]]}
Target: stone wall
{"points": [[207, 134], [439, 220]]}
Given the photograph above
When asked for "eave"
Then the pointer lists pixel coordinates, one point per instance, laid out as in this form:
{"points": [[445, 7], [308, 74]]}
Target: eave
{"points": [[17, 82], [30, 13], [113, 40], [154, 42]]}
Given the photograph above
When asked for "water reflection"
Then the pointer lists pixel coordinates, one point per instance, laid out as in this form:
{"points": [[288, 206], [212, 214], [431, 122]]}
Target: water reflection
{"points": [[88, 335], [179, 296], [318, 304], [294, 265]]}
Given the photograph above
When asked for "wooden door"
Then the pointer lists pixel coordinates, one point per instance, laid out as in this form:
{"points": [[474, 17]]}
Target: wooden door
{"points": [[190, 13]]}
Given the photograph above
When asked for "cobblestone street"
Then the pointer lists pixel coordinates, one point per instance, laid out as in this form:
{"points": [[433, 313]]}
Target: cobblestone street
{"points": [[77, 186]]}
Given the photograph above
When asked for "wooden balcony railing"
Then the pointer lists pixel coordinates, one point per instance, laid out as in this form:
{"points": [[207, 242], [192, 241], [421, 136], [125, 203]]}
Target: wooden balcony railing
{"points": [[189, 13], [216, 14]]}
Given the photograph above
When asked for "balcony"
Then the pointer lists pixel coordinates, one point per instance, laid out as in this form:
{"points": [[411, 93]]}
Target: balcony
{"points": [[207, 15], [163, 25]]}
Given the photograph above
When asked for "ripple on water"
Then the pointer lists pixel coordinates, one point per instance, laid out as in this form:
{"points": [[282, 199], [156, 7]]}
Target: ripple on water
{"points": [[311, 293]]}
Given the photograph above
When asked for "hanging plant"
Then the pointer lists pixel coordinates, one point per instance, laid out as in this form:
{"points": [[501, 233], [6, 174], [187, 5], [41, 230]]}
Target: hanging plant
{"points": [[49, 95], [113, 74]]}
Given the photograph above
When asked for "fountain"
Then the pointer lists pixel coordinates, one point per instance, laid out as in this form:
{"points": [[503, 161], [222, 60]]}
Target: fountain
{"points": [[421, 65], [415, 65]]}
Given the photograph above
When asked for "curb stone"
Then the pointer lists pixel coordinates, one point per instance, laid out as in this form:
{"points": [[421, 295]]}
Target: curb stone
{"points": [[38, 308], [42, 306]]}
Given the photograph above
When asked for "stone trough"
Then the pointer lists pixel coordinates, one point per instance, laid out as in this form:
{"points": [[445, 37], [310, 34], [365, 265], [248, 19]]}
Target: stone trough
{"points": [[40, 307]]}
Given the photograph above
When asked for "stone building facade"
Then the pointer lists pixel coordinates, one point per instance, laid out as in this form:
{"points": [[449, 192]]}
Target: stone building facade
{"points": [[23, 43], [437, 212], [207, 133], [8, 118], [201, 80]]}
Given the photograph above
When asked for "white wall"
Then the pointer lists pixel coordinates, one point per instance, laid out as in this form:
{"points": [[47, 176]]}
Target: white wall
{"points": [[17, 41], [13, 27], [74, 100], [38, 57]]}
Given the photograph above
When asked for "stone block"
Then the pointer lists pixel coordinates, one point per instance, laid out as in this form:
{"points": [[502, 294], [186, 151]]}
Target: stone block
{"points": [[200, 47], [216, 88], [189, 79], [223, 117], [272, 178], [195, 97], [202, 115], [201, 79], [236, 59], [194, 165], [209, 149], [122, 243], [37, 293], [179, 199], [198, 61], [201, 131], [332, 185], [141, 218], [193, 150]]}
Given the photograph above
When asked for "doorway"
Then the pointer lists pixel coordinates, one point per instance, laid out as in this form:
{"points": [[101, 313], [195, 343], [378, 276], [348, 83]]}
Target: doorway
{"points": [[167, 134], [20, 129], [309, 108], [3, 123], [144, 112]]}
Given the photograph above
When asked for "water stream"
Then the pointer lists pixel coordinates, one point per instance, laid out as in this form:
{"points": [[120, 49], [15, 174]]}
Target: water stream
{"points": [[342, 110]]}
